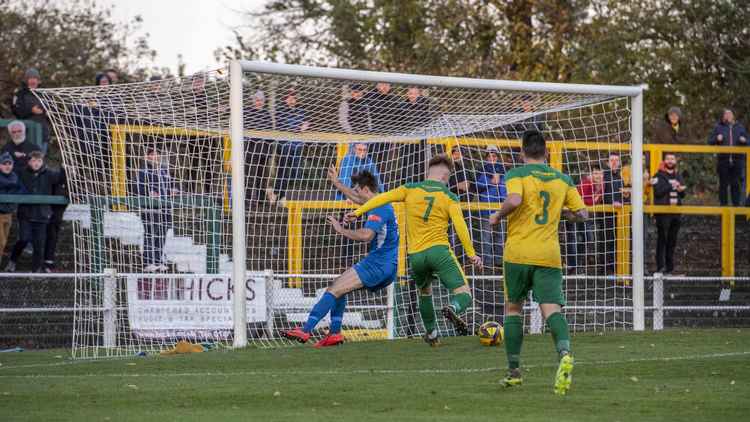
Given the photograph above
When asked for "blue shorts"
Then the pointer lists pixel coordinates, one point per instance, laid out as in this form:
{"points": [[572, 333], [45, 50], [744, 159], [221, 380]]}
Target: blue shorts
{"points": [[376, 273]]}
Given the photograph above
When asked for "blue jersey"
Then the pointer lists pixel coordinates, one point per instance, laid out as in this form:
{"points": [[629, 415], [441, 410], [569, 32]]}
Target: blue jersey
{"points": [[384, 245]]}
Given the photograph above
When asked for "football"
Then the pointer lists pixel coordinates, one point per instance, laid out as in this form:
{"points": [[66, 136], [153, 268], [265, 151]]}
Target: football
{"points": [[490, 334]]}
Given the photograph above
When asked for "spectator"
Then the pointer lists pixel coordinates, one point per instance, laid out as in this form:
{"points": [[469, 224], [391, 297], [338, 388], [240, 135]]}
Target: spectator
{"points": [[359, 111], [415, 115], [101, 79], [356, 161], [10, 184], [525, 106], [416, 111], [670, 129], [112, 75], [155, 183], [26, 106], [491, 188], [260, 150], [36, 179], [613, 186], [580, 236], [290, 118], [19, 148], [384, 108], [731, 167], [669, 189], [462, 181], [54, 226]]}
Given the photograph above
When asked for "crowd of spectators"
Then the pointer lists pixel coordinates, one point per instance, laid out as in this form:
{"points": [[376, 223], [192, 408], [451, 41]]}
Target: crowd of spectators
{"points": [[274, 169]]}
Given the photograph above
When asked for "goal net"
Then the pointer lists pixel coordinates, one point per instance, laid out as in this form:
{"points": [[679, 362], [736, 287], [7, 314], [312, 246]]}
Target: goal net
{"points": [[150, 176]]}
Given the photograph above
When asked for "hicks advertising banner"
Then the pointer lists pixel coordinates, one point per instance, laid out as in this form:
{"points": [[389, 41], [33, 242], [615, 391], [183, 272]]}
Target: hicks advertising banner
{"points": [[189, 307]]}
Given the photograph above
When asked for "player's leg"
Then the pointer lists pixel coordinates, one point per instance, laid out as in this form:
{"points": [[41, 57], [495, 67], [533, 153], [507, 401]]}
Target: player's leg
{"points": [[445, 264], [345, 283], [547, 286], [516, 285], [422, 276]]}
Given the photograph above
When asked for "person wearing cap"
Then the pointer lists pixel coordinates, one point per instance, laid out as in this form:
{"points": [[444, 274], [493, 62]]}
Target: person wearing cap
{"points": [[19, 148], [26, 106], [10, 184], [670, 129], [491, 188], [259, 150], [731, 167]]}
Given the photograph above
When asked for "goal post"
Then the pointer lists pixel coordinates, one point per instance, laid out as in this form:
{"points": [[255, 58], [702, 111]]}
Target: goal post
{"points": [[234, 206]]}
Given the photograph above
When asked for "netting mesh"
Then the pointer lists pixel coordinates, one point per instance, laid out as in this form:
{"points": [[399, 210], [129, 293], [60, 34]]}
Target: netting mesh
{"points": [[149, 170]]}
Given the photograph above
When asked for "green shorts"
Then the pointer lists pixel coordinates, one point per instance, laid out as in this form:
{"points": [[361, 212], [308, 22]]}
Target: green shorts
{"points": [[544, 282], [436, 261]]}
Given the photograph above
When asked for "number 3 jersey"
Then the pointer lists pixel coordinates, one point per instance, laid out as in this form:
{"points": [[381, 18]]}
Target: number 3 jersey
{"points": [[429, 206], [533, 226]]}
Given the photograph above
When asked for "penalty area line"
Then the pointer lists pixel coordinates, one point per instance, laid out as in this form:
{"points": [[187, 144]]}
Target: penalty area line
{"points": [[335, 372]]}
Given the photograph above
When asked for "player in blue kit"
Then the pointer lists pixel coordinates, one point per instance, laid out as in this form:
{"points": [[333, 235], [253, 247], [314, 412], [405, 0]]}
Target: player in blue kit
{"points": [[376, 271]]}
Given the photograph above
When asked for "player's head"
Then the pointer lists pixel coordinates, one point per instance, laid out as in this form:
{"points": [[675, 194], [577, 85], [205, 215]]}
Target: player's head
{"points": [[365, 184], [440, 168], [534, 146]]}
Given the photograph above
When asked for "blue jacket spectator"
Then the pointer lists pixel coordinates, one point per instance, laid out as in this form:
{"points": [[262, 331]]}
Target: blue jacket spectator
{"points": [[10, 184], [356, 161], [290, 118], [731, 167], [491, 181]]}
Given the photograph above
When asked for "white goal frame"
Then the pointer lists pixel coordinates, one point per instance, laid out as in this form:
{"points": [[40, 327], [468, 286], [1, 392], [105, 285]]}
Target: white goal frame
{"points": [[238, 68]]}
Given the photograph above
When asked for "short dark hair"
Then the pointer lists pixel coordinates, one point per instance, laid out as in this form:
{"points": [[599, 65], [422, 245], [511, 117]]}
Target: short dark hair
{"points": [[613, 154], [151, 150], [670, 153], [365, 179], [36, 154], [534, 146], [441, 160], [596, 167]]}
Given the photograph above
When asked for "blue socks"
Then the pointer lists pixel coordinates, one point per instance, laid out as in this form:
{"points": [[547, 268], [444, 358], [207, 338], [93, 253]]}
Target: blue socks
{"points": [[337, 315], [327, 303]]}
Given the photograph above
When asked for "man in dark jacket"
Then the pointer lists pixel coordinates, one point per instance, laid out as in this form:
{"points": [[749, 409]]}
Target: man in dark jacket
{"points": [[26, 106], [37, 179], [290, 117], [670, 129], [259, 150], [731, 167], [19, 148], [613, 186], [669, 189], [154, 182], [384, 108], [10, 184], [359, 110], [54, 226]]}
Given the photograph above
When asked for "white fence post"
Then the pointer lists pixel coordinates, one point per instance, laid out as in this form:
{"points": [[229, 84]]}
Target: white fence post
{"points": [[270, 291], [536, 316], [109, 304], [390, 311], [658, 293]]}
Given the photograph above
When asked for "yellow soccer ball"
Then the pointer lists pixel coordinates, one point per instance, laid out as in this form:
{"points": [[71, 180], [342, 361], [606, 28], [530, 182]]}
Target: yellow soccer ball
{"points": [[491, 333]]}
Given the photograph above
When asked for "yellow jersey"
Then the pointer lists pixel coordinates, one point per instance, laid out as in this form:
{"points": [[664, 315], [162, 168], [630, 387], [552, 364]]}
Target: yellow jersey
{"points": [[429, 205], [533, 226]]}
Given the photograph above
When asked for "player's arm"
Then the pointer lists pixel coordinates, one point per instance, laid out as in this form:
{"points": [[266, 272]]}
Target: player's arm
{"points": [[348, 192], [394, 195], [459, 225], [574, 208], [359, 235]]}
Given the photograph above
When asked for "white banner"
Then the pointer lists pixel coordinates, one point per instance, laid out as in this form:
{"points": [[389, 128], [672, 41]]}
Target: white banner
{"points": [[189, 307]]}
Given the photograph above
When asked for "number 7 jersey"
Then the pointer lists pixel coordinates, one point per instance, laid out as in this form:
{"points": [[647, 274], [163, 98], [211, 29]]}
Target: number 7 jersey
{"points": [[533, 226]]}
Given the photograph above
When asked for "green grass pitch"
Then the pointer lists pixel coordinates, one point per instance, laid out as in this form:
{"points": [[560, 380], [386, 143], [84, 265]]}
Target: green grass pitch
{"points": [[691, 375]]}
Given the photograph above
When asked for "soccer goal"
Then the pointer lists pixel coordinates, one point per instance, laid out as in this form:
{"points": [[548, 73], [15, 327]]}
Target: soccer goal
{"points": [[185, 185]]}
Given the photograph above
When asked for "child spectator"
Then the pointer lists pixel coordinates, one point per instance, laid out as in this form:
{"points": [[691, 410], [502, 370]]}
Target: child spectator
{"points": [[26, 106], [491, 188], [10, 184], [19, 148], [356, 161], [33, 219], [669, 189], [731, 167], [154, 182]]}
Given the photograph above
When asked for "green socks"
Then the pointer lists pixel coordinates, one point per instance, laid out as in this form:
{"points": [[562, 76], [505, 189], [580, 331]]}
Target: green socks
{"points": [[427, 310], [513, 340], [460, 302], [558, 325]]}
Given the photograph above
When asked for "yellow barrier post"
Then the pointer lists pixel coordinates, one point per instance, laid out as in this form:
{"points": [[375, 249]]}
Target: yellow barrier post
{"points": [[727, 242], [294, 241]]}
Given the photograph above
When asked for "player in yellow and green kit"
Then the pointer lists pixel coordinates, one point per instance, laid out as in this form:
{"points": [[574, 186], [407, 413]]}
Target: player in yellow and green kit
{"points": [[537, 196], [429, 205]]}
